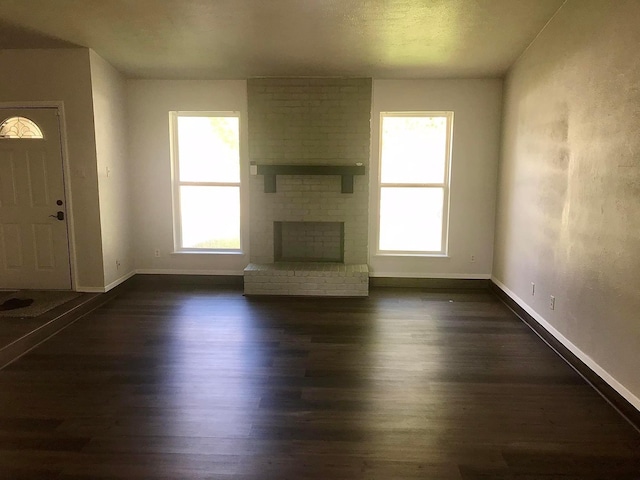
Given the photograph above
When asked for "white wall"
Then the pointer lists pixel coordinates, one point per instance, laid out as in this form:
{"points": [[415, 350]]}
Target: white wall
{"points": [[64, 75], [111, 131], [149, 104], [568, 216], [476, 131]]}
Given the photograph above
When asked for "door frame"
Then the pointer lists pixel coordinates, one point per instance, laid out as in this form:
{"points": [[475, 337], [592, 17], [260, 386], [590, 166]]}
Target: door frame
{"points": [[66, 171]]}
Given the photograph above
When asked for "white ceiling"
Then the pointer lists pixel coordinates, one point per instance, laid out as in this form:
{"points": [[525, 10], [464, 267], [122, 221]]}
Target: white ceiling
{"points": [[249, 38]]}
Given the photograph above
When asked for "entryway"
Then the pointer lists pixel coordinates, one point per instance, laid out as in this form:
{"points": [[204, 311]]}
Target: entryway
{"points": [[34, 238]]}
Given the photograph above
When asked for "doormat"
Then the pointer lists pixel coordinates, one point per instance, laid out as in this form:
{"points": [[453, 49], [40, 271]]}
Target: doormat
{"points": [[31, 303]]}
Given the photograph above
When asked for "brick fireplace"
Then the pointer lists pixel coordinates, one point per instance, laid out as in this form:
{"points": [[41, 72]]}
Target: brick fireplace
{"points": [[311, 122]]}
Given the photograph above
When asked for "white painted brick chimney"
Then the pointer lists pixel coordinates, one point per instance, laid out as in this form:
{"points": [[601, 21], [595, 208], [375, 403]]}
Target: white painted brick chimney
{"points": [[309, 121]]}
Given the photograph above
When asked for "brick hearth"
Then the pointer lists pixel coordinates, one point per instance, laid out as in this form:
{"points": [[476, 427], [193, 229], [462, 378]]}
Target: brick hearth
{"points": [[307, 278]]}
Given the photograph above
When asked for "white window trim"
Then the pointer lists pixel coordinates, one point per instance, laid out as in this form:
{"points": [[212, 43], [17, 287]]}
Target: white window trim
{"points": [[446, 186], [176, 183]]}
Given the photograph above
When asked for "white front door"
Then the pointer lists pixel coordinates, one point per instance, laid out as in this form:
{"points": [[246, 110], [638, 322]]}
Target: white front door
{"points": [[34, 241]]}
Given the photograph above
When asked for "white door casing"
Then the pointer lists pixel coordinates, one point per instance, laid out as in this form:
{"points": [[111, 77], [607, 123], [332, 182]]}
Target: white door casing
{"points": [[34, 239]]}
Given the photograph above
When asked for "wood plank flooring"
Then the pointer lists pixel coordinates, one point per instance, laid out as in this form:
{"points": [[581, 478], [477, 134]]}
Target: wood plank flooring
{"points": [[19, 334], [187, 383]]}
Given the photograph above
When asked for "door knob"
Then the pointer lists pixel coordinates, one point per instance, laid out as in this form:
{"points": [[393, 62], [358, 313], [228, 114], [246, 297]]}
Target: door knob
{"points": [[59, 215]]}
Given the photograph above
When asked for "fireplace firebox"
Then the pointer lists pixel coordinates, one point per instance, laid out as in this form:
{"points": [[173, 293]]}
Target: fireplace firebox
{"points": [[308, 241]]}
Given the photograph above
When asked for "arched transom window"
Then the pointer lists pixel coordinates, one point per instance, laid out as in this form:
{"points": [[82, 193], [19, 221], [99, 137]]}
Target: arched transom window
{"points": [[19, 127]]}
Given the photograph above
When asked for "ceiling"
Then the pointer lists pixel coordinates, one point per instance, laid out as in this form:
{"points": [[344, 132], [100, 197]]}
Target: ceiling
{"points": [[211, 39]]}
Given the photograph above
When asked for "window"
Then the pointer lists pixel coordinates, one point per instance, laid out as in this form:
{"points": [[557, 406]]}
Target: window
{"points": [[206, 181], [415, 152], [19, 127]]}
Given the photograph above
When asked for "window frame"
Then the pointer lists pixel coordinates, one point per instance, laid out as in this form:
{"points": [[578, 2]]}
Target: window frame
{"points": [[176, 183], [445, 185]]}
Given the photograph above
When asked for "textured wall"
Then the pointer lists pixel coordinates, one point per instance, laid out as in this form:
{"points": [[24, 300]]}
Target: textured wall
{"points": [[569, 212], [309, 121]]}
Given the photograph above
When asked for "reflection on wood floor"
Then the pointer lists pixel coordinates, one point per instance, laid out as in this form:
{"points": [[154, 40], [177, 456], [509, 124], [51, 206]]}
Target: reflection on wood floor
{"points": [[192, 383]]}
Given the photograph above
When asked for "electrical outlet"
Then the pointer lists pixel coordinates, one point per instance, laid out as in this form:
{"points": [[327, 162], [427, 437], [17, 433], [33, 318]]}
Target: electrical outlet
{"points": [[156, 252], [533, 288], [473, 258], [117, 264], [552, 302]]}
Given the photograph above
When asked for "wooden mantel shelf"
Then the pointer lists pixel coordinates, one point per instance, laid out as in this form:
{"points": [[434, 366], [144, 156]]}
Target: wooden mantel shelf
{"points": [[346, 172]]}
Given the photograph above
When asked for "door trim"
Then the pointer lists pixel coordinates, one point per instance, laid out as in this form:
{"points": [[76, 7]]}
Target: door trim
{"points": [[66, 171]]}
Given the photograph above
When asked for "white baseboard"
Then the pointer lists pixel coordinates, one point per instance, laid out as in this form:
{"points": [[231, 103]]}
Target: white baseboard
{"points": [[81, 289], [120, 280], [463, 276], [158, 271], [106, 288], [584, 358]]}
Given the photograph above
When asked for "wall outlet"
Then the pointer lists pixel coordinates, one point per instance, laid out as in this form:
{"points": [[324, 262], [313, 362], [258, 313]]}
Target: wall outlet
{"points": [[533, 288], [473, 258], [552, 302], [117, 264], [156, 252]]}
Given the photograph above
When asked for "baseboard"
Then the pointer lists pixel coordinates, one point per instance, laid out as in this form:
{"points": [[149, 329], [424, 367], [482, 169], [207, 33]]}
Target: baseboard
{"points": [[179, 277], [81, 289], [625, 402], [214, 273], [183, 280], [182, 276], [458, 276], [119, 281], [432, 283]]}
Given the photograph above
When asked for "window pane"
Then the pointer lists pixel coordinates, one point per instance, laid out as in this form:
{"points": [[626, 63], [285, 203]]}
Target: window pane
{"points": [[19, 127], [210, 217], [411, 219], [413, 149], [208, 149]]}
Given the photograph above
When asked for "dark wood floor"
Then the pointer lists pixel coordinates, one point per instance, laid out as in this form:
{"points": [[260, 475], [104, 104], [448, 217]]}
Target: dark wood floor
{"points": [[207, 384], [19, 334]]}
